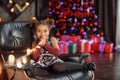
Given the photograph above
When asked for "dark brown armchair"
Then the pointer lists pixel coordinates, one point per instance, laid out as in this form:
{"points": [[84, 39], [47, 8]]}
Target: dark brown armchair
{"points": [[15, 39]]}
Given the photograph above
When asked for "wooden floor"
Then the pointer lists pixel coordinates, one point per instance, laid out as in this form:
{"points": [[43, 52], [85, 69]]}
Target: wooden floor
{"points": [[108, 66]]}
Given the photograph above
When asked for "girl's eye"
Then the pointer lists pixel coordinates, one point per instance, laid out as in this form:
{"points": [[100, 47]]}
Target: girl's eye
{"points": [[45, 31], [39, 31]]}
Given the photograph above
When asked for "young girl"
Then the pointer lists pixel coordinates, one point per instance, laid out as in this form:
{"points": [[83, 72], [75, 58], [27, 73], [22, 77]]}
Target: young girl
{"points": [[45, 47], [45, 50]]}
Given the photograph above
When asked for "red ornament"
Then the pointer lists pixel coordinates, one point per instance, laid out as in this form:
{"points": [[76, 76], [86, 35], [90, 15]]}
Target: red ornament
{"points": [[95, 23], [78, 9], [102, 34], [58, 7], [90, 18], [57, 12], [91, 2], [57, 21], [65, 17], [49, 9], [82, 24], [78, 0], [99, 26], [61, 15], [57, 34], [82, 30], [91, 24], [78, 4], [74, 24]]}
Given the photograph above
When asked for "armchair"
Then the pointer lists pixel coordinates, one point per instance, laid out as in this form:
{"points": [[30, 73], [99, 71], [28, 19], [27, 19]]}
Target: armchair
{"points": [[16, 38]]}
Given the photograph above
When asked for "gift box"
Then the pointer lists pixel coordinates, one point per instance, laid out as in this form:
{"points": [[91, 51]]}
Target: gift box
{"points": [[108, 47], [63, 47], [72, 48], [98, 47], [83, 46], [74, 38], [64, 38], [97, 39]]}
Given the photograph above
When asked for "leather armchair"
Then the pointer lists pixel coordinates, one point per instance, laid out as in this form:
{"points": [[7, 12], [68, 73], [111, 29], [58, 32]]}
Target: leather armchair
{"points": [[16, 37]]}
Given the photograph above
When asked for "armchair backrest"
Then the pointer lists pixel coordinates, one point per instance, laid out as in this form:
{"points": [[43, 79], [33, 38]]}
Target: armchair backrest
{"points": [[15, 35]]}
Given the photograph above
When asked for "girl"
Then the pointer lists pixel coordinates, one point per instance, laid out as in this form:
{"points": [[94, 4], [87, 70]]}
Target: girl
{"points": [[45, 47], [45, 51]]}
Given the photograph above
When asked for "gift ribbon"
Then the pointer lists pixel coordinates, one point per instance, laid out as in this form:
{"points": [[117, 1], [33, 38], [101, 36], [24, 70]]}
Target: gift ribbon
{"points": [[102, 47], [72, 48]]}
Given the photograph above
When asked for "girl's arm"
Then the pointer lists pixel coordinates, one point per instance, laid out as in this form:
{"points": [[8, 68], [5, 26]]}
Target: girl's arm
{"points": [[35, 50], [54, 49]]}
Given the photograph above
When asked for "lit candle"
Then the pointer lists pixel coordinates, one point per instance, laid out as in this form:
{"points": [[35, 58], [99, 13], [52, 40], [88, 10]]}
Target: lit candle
{"points": [[28, 52], [24, 59], [11, 59], [19, 63]]}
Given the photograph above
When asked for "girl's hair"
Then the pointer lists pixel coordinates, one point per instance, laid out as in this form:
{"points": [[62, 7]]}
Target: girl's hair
{"points": [[48, 22]]}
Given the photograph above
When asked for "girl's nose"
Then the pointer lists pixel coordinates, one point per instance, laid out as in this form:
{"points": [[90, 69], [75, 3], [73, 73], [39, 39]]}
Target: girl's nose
{"points": [[42, 34]]}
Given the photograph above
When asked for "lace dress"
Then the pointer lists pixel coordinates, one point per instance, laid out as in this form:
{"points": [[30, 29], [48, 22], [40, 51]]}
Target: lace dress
{"points": [[46, 59]]}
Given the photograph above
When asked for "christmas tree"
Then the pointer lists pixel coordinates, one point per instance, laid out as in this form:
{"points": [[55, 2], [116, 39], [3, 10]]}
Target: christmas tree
{"points": [[74, 17]]}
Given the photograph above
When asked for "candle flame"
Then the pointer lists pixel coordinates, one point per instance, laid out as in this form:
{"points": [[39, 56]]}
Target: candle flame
{"points": [[24, 59], [11, 59], [28, 52], [19, 63]]}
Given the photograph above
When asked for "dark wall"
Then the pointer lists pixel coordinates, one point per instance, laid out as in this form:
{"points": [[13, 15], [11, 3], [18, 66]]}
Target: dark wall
{"points": [[37, 8], [22, 16]]}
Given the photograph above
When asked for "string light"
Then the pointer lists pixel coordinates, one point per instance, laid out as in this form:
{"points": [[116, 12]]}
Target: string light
{"points": [[12, 10], [27, 3], [1, 19], [10, 1]]}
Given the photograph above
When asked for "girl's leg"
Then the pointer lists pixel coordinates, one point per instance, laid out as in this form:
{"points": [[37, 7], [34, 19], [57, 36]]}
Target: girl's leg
{"points": [[66, 66], [74, 58]]}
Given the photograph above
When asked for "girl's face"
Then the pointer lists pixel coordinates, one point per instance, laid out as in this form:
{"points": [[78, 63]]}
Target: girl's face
{"points": [[42, 31]]}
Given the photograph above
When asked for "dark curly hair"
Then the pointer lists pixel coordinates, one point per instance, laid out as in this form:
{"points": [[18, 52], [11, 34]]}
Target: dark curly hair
{"points": [[48, 22]]}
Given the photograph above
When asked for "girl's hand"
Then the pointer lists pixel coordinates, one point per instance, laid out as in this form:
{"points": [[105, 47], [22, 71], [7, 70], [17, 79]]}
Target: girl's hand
{"points": [[43, 40]]}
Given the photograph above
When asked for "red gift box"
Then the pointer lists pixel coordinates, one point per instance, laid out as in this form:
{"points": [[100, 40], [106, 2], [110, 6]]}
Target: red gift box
{"points": [[108, 48], [94, 47], [98, 47], [83, 46], [64, 38], [96, 39], [74, 38]]}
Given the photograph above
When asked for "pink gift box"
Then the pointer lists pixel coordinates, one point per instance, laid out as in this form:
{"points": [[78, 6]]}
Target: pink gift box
{"points": [[64, 47]]}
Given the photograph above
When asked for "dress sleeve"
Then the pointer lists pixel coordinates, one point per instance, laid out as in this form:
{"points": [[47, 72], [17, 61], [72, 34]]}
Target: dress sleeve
{"points": [[36, 51], [52, 50]]}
